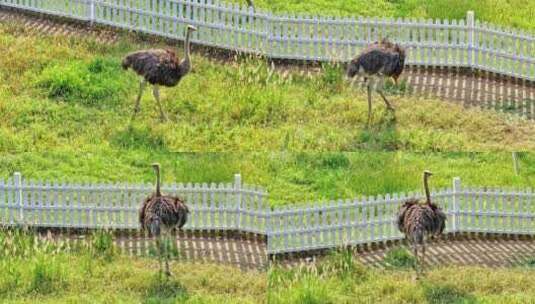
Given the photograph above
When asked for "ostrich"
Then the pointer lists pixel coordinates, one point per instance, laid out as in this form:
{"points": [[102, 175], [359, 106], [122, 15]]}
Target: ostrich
{"points": [[162, 212], [159, 67], [419, 219], [250, 3], [380, 59]]}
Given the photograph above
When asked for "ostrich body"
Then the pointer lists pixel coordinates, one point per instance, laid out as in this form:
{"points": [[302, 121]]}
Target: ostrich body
{"points": [[380, 59], [161, 213], [159, 67], [419, 220]]}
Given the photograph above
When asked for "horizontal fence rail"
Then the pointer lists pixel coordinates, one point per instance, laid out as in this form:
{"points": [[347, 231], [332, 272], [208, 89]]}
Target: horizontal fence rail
{"points": [[449, 43], [237, 207]]}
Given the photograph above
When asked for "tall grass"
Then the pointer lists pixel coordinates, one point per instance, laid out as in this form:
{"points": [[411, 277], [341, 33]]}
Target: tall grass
{"points": [[327, 281], [50, 270]]}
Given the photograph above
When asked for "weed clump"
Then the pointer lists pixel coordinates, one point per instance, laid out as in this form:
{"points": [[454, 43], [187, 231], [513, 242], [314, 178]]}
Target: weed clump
{"points": [[99, 82], [399, 258]]}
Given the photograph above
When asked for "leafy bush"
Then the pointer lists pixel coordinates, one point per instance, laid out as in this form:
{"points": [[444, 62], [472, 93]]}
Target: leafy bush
{"points": [[99, 82]]}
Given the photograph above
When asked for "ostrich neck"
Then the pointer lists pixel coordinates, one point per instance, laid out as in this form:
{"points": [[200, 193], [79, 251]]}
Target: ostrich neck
{"points": [[426, 187], [186, 63], [158, 192]]}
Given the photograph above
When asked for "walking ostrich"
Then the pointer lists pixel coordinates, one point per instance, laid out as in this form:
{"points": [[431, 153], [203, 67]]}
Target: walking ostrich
{"points": [[380, 59], [419, 219], [159, 67], [162, 212]]}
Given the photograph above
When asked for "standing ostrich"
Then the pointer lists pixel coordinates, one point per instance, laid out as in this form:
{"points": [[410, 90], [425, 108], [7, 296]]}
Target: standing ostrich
{"points": [[159, 67], [419, 220], [250, 3], [162, 212], [380, 59]]}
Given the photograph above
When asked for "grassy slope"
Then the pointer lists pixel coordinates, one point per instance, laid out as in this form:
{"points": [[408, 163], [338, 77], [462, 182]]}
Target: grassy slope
{"points": [[54, 97], [340, 279], [65, 105], [495, 11]]}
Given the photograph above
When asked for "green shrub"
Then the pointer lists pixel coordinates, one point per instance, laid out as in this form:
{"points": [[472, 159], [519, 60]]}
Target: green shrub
{"points": [[99, 82]]}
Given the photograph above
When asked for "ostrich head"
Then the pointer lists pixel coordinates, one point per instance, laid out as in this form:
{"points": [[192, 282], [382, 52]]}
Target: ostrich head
{"points": [[428, 173], [191, 28], [156, 166]]}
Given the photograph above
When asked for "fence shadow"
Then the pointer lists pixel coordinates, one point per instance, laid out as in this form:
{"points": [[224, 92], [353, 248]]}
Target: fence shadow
{"points": [[474, 89], [490, 250]]}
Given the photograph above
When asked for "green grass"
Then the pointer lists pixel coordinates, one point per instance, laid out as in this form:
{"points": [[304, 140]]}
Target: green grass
{"points": [[65, 108], [33, 270], [327, 282], [62, 94], [495, 11], [288, 177]]}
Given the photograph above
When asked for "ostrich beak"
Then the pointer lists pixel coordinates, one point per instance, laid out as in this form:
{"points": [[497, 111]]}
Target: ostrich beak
{"points": [[191, 28]]}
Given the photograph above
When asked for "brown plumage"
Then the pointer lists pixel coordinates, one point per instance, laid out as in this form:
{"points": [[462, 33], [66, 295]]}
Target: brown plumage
{"points": [[419, 220], [159, 67], [380, 59], [161, 213]]}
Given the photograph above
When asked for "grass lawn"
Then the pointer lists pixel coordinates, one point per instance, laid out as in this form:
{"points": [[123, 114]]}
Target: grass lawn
{"points": [[494, 11], [341, 279], [47, 272], [65, 107]]}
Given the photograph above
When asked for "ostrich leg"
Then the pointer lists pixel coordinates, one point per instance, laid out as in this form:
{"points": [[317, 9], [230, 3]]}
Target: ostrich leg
{"points": [[159, 245], [380, 91], [167, 242], [415, 250], [423, 258], [142, 85], [369, 103], [156, 93]]}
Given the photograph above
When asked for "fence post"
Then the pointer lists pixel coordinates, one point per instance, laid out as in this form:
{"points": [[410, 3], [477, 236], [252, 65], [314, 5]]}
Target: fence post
{"points": [[470, 27], [91, 12], [17, 177], [237, 191], [455, 205]]}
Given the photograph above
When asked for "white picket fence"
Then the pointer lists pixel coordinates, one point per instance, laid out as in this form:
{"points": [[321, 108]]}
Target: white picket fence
{"points": [[234, 206], [458, 43]]}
